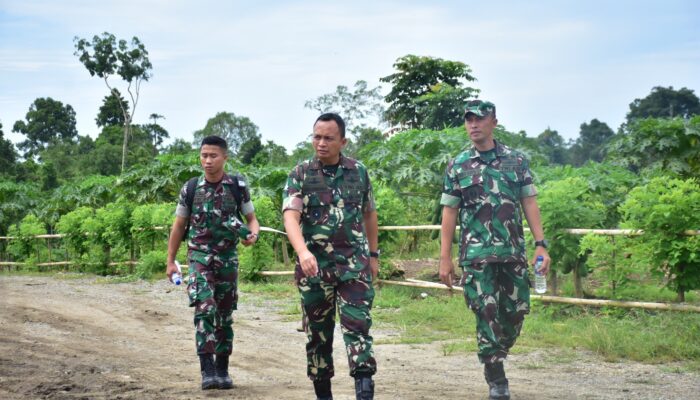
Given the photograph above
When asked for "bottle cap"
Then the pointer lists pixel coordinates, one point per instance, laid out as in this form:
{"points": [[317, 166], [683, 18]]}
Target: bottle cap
{"points": [[540, 258]]}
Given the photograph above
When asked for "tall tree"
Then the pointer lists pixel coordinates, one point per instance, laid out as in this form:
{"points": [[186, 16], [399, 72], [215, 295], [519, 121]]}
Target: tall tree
{"points": [[418, 86], [249, 150], [662, 144], [552, 144], [105, 57], [235, 130], [179, 147], [47, 121], [355, 106], [665, 103], [156, 132], [8, 155], [591, 143], [111, 113], [271, 154]]}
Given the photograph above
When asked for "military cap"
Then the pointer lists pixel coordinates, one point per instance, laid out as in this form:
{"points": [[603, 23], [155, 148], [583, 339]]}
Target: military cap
{"points": [[480, 108]]}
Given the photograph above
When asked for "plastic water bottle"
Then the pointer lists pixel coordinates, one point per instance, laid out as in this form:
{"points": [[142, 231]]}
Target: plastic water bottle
{"points": [[177, 276], [540, 278]]}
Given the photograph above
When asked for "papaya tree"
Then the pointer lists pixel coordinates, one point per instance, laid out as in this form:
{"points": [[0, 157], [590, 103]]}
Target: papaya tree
{"points": [[568, 203], [665, 209]]}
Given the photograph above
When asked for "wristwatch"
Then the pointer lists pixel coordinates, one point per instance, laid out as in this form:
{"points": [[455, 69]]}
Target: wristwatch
{"points": [[542, 243], [375, 254]]}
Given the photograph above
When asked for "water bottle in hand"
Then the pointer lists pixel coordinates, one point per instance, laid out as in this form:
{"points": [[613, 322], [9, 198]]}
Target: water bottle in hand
{"points": [[540, 278], [176, 277]]}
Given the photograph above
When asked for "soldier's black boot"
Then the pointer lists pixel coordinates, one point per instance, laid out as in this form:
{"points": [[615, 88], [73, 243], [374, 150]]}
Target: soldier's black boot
{"points": [[364, 387], [496, 378], [206, 364], [223, 379], [322, 388]]}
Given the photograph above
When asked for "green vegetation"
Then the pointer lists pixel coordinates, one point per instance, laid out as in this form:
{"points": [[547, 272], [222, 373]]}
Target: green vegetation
{"points": [[641, 176], [613, 334]]}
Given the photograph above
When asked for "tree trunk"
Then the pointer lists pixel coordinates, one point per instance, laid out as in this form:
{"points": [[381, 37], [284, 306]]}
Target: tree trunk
{"points": [[578, 285], [680, 294], [285, 252], [552, 281], [126, 140]]}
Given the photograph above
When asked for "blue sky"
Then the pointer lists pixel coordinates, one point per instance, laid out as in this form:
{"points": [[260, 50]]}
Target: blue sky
{"points": [[544, 63]]}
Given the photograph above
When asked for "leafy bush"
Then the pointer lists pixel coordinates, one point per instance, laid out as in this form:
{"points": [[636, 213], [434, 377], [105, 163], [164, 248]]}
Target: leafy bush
{"points": [[71, 225], [145, 218], [151, 263], [565, 204], [25, 247], [255, 258], [665, 209]]}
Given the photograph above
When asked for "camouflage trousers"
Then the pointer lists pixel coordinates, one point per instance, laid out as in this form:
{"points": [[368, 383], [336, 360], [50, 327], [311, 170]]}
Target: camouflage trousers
{"points": [[319, 297], [213, 292], [499, 295]]}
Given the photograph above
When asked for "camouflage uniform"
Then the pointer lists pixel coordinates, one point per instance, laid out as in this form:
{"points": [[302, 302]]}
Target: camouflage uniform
{"points": [[487, 188], [332, 203], [213, 259]]}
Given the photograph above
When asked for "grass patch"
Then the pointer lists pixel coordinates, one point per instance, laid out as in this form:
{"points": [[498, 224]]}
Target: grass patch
{"points": [[274, 287]]}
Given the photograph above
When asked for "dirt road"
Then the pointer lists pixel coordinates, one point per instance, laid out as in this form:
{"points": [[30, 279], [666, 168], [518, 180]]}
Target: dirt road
{"points": [[81, 339]]}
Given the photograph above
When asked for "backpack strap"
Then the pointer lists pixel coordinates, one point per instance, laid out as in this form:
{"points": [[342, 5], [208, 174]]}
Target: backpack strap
{"points": [[237, 191], [191, 188], [189, 200]]}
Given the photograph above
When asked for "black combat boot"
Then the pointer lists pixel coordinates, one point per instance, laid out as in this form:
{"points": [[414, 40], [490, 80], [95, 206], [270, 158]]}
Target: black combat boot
{"points": [[496, 378], [364, 387], [323, 389], [223, 379], [206, 364]]}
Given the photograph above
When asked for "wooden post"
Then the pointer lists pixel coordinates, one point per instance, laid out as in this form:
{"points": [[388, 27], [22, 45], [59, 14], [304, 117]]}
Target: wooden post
{"points": [[285, 251]]}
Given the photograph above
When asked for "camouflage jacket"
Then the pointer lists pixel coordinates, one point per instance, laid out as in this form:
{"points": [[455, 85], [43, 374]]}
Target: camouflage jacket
{"points": [[332, 207], [213, 221], [487, 188]]}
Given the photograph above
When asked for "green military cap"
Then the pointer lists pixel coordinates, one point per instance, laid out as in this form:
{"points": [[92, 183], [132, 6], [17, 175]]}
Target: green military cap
{"points": [[480, 108]]}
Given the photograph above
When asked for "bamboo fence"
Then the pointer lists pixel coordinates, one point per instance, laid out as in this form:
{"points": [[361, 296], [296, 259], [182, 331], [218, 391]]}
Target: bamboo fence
{"points": [[432, 285]]}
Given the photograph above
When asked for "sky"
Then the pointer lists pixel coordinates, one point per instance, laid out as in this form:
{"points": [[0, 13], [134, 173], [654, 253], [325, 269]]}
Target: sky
{"points": [[545, 64]]}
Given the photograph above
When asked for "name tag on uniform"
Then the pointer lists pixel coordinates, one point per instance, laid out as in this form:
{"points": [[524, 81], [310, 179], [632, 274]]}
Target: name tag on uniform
{"points": [[314, 183]]}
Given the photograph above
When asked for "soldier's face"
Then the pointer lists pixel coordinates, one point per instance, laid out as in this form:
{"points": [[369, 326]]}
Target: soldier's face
{"points": [[212, 158], [327, 142], [480, 129]]}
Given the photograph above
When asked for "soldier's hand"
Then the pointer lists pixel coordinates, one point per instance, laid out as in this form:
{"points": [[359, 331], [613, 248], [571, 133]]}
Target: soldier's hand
{"points": [[308, 263], [250, 239], [447, 271], [374, 268], [541, 251], [170, 269]]}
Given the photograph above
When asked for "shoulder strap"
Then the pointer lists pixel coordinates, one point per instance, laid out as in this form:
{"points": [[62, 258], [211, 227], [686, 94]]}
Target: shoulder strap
{"points": [[191, 188], [236, 189]]}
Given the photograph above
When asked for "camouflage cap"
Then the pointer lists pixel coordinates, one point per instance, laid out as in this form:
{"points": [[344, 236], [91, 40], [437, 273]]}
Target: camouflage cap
{"points": [[480, 108]]}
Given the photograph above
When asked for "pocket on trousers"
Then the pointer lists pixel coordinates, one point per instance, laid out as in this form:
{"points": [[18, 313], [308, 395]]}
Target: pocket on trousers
{"points": [[471, 294], [192, 289]]}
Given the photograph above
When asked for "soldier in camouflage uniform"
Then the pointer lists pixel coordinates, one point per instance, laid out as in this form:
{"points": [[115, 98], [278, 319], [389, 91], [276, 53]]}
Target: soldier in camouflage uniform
{"points": [[213, 260], [486, 187], [330, 217]]}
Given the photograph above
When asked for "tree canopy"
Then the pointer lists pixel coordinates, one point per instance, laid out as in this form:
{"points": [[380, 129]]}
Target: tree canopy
{"points": [[234, 129], [427, 90], [665, 103], [105, 57], [47, 121], [354, 106]]}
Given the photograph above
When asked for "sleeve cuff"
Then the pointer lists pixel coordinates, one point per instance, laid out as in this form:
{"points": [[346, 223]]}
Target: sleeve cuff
{"points": [[528, 191], [182, 211], [449, 200], [292, 203], [247, 208]]}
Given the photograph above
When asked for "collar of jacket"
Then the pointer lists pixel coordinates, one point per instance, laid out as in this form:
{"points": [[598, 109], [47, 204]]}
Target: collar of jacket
{"points": [[345, 162], [501, 149]]}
